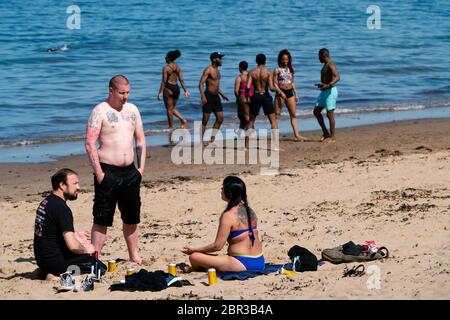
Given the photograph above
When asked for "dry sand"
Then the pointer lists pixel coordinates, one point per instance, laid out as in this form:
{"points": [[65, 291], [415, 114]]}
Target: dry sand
{"points": [[388, 183]]}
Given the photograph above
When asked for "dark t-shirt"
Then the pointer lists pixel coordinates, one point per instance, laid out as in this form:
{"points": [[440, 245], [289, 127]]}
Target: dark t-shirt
{"points": [[53, 217]]}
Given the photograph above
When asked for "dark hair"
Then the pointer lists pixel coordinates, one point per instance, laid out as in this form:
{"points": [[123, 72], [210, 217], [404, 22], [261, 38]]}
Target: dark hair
{"points": [[281, 54], [61, 176], [235, 191], [261, 59], [173, 55], [243, 65], [118, 79], [324, 51]]}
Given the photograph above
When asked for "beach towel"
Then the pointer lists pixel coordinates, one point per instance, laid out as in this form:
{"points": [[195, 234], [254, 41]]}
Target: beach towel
{"points": [[244, 275], [338, 255]]}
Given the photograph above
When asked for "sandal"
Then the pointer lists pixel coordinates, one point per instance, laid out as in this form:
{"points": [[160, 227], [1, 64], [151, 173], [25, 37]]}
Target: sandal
{"points": [[355, 271]]}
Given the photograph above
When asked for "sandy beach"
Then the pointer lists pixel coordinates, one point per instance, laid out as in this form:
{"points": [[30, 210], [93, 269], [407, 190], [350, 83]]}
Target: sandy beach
{"points": [[386, 182]]}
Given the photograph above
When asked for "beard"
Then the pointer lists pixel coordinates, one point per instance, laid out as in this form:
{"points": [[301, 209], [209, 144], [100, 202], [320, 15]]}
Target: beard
{"points": [[70, 196]]}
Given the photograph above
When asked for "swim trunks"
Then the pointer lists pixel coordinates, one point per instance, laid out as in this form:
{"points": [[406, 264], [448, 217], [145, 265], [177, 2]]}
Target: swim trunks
{"points": [[121, 185], [327, 99], [213, 103], [261, 99]]}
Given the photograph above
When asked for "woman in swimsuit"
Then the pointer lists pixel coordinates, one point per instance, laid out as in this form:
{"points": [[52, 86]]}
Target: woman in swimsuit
{"points": [[238, 226], [170, 89], [283, 78], [243, 95]]}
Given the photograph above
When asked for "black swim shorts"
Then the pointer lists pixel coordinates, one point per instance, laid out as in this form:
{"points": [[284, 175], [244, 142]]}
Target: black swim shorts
{"points": [[121, 185], [213, 103], [261, 99]]}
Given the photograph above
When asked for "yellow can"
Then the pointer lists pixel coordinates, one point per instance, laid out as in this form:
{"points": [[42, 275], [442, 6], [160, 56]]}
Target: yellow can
{"points": [[112, 266], [288, 273], [212, 277], [130, 271], [172, 269]]}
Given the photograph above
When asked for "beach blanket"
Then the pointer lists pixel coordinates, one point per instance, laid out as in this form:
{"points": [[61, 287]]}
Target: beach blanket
{"points": [[244, 275]]}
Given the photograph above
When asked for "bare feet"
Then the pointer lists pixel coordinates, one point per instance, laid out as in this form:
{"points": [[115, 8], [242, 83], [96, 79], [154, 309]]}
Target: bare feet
{"points": [[300, 138], [183, 124], [51, 277], [324, 137], [329, 140]]}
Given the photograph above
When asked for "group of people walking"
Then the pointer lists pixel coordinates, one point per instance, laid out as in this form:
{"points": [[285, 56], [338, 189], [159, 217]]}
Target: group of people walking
{"points": [[251, 90]]}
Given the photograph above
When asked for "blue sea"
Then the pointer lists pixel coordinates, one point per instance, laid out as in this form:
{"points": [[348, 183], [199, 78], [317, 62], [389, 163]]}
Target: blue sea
{"points": [[398, 71]]}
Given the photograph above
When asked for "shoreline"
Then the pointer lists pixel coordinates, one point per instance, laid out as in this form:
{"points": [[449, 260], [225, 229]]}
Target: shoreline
{"points": [[52, 151], [28, 180]]}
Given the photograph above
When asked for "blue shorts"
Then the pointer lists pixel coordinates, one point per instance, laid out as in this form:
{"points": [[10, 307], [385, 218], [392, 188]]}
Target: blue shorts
{"points": [[327, 99], [252, 263]]}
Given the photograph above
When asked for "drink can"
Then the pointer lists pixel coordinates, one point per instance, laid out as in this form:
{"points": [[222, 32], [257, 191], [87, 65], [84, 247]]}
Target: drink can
{"points": [[212, 277], [112, 265], [172, 269], [130, 271]]}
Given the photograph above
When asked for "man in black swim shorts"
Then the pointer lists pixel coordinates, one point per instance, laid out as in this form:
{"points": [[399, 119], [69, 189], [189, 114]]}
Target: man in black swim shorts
{"points": [[210, 98]]}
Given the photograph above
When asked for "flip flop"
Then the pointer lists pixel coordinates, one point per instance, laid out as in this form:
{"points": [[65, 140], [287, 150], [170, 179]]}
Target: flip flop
{"points": [[358, 271]]}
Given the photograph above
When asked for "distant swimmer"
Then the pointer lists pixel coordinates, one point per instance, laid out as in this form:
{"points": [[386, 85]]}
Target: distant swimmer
{"points": [[170, 89], [262, 80], [210, 97], [329, 76], [54, 49], [283, 78]]}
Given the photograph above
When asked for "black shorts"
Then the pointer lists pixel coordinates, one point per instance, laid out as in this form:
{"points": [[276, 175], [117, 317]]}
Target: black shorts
{"points": [[175, 90], [213, 103], [259, 100], [121, 185]]}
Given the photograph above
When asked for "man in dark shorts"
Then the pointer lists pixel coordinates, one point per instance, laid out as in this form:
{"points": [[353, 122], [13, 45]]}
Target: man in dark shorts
{"points": [[116, 124], [210, 98], [262, 80], [56, 244]]}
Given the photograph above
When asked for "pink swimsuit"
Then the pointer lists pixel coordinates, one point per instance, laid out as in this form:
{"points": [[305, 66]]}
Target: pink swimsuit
{"points": [[243, 91]]}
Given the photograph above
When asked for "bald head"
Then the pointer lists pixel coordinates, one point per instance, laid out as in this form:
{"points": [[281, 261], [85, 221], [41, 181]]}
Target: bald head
{"points": [[118, 81]]}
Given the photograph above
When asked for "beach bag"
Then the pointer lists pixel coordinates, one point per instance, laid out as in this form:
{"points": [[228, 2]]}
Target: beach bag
{"points": [[339, 254], [303, 259]]}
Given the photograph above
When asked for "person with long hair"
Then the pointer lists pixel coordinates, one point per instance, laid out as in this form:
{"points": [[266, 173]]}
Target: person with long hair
{"points": [[238, 226], [243, 95], [170, 89], [283, 78]]}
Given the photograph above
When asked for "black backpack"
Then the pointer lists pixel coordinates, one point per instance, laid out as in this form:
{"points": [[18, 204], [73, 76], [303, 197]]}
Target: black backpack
{"points": [[308, 261]]}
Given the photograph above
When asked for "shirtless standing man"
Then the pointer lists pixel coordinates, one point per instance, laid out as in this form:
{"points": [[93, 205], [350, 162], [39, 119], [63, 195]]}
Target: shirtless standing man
{"points": [[329, 76], [210, 98], [116, 124], [262, 80]]}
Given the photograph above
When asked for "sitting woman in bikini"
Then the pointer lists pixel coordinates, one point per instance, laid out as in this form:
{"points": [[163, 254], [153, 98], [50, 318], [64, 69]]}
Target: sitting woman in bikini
{"points": [[238, 226], [170, 89]]}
